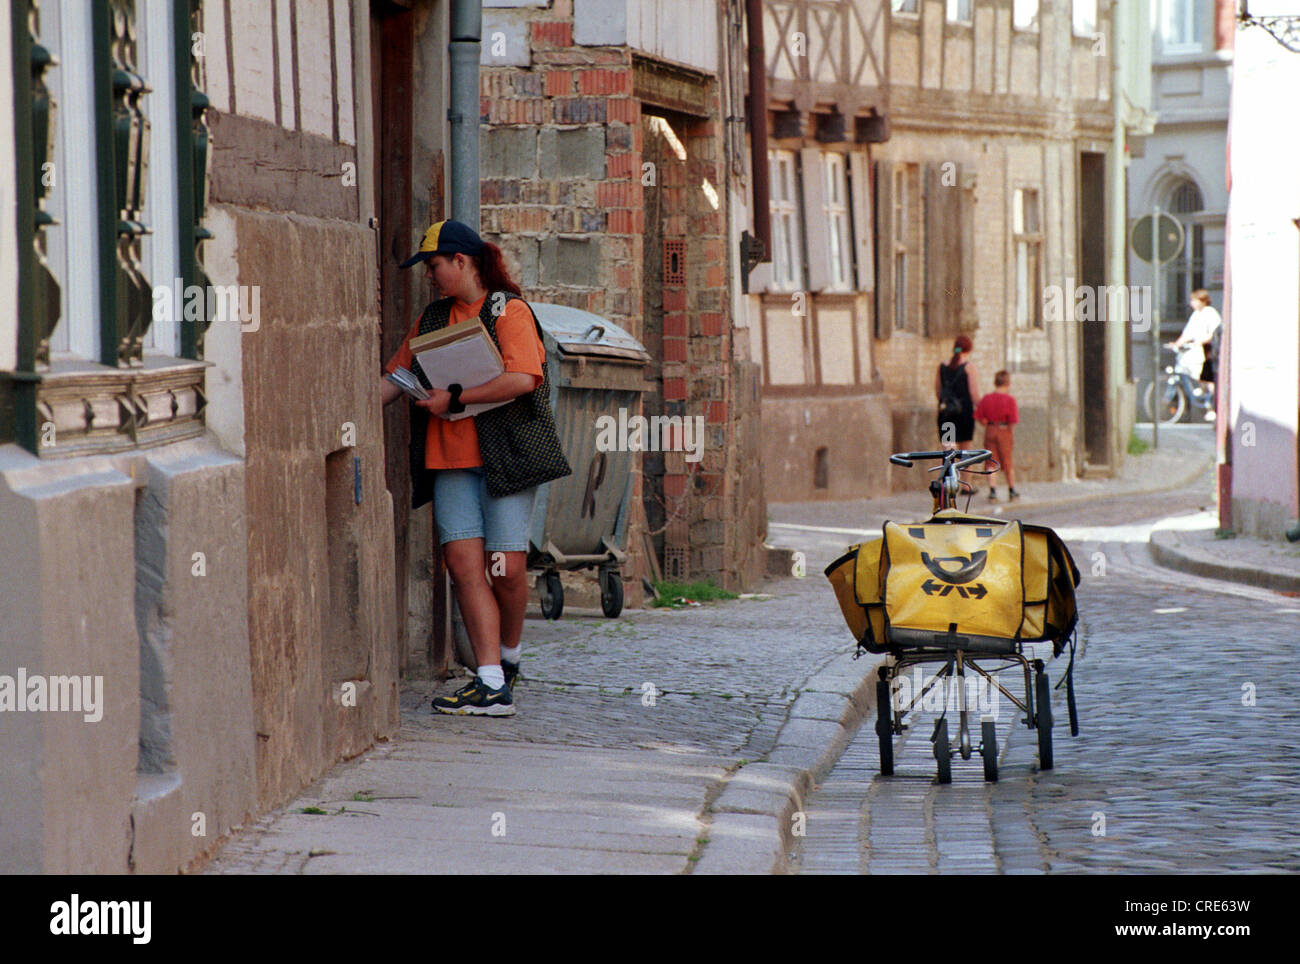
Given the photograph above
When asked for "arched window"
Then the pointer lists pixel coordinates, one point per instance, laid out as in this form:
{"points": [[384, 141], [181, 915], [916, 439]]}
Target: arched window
{"points": [[1185, 273]]}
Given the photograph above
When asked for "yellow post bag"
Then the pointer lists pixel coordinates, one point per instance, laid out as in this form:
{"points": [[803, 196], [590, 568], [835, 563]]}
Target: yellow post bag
{"points": [[996, 582]]}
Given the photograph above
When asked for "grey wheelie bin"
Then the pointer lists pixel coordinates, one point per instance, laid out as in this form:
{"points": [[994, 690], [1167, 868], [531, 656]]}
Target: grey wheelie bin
{"points": [[580, 522]]}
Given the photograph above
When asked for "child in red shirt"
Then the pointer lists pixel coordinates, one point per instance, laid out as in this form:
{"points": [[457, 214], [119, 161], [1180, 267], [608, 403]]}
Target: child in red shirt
{"points": [[998, 414]]}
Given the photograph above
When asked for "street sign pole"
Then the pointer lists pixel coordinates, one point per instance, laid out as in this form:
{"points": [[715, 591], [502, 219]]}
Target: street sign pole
{"points": [[1155, 326]]}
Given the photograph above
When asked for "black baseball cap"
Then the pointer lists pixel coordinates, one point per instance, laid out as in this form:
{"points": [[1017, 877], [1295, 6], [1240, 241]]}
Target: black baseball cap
{"points": [[446, 237]]}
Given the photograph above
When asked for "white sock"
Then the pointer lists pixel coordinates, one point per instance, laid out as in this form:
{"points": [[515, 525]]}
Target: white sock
{"points": [[511, 654], [493, 676]]}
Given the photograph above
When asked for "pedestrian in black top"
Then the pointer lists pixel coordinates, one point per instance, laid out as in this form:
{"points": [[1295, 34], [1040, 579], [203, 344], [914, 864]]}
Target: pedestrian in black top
{"points": [[956, 389]]}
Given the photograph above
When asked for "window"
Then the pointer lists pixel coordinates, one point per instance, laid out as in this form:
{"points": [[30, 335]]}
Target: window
{"points": [[836, 212], [906, 6], [900, 234], [1181, 26], [1025, 14], [959, 11], [1028, 240], [111, 167], [1085, 18], [1186, 272], [787, 257]]}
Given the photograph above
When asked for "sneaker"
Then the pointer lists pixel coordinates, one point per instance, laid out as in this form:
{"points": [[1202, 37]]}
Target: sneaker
{"points": [[512, 673], [476, 699], [993, 495], [1012, 495]]}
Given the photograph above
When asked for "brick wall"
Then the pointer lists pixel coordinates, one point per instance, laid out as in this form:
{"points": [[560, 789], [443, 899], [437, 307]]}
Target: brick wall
{"points": [[566, 194]]}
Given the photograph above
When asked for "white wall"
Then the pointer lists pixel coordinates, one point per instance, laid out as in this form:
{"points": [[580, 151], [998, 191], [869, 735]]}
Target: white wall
{"points": [[8, 220], [1264, 276], [685, 31]]}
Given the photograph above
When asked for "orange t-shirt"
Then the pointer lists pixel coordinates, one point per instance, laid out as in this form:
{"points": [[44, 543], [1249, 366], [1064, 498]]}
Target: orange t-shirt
{"points": [[454, 445]]}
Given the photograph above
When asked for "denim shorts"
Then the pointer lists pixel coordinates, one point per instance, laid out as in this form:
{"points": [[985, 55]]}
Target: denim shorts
{"points": [[464, 510]]}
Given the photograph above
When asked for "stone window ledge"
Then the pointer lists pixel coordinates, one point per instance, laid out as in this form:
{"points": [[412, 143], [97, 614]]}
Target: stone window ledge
{"points": [[84, 408]]}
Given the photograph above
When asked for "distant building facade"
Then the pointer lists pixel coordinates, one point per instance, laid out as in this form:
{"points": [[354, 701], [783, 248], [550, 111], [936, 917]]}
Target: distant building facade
{"points": [[973, 171], [1180, 167]]}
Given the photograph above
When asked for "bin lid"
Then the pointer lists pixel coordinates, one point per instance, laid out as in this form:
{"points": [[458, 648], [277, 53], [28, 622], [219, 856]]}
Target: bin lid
{"points": [[579, 332]]}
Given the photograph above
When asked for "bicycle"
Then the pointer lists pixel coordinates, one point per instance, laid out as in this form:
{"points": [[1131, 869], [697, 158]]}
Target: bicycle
{"points": [[965, 592], [949, 486], [1181, 391]]}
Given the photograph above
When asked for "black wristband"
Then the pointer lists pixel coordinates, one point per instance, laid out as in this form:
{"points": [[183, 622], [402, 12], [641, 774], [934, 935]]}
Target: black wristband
{"points": [[455, 406]]}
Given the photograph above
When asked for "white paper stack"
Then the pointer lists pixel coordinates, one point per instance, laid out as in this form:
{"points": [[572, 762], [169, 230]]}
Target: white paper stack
{"points": [[461, 354]]}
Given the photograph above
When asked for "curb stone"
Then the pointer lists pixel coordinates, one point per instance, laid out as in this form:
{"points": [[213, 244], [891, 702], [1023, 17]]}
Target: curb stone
{"points": [[1168, 551], [752, 826]]}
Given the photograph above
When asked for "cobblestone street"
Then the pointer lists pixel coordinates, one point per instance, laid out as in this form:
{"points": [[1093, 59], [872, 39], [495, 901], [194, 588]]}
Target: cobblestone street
{"points": [[1171, 771]]}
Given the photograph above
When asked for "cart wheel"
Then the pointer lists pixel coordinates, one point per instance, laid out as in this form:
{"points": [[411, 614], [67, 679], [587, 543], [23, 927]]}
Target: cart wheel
{"points": [[989, 750], [942, 752], [611, 593], [552, 595], [885, 727], [1044, 717]]}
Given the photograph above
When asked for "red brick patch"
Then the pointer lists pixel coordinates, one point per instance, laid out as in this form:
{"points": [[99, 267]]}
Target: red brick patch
{"points": [[674, 347], [624, 222], [712, 323], [674, 389], [618, 194], [623, 165], [674, 299], [602, 80], [559, 83], [623, 109], [550, 35], [717, 412], [674, 325]]}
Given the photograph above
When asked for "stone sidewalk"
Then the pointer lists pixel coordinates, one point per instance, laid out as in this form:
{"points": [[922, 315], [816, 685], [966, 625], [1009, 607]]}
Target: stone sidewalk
{"points": [[666, 741], [1201, 551]]}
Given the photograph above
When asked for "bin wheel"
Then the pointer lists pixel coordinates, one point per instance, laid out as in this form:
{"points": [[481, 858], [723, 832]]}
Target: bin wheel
{"points": [[552, 595], [989, 750], [943, 752], [1044, 718], [611, 593], [885, 727]]}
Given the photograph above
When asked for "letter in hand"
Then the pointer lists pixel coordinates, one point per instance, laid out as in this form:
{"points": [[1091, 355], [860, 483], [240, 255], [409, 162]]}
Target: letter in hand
{"points": [[436, 403]]}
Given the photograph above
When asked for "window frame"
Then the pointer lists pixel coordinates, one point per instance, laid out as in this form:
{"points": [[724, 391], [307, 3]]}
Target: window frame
{"points": [[1033, 24], [952, 11], [785, 210], [835, 171], [896, 8], [1027, 260], [1168, 46], [98, 359], [1075, 7]]}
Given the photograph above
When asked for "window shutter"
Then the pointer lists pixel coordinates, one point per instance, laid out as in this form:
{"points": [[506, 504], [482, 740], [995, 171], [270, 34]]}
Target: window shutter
{"points": [[860, 201], [943, 254], [884, 211], [816, 242]]}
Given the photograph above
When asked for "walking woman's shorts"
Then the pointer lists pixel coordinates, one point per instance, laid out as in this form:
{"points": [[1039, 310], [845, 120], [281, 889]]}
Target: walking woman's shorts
{"points": [[464, 510]]}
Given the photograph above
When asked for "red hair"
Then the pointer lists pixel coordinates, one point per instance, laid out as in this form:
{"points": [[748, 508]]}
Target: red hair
{"points": [[492, 271]]}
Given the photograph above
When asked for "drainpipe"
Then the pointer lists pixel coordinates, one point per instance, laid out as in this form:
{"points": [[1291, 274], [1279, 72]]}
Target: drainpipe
{"points": [[463, 110], [1118, 214], [758, 135]]}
